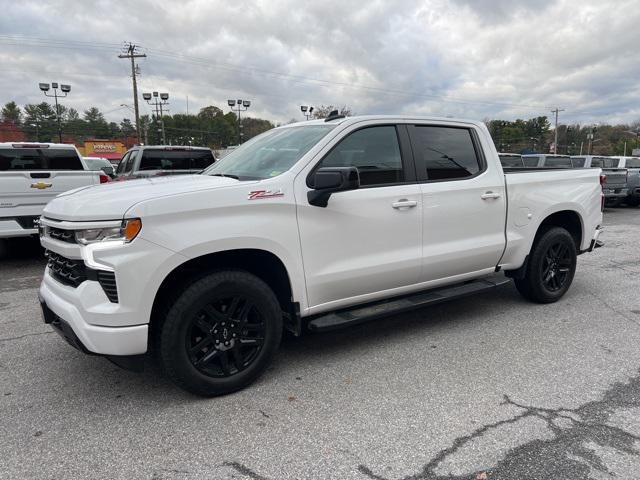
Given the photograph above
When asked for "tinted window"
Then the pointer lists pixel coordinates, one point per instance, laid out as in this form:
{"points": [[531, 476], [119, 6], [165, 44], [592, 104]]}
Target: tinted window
{"points": [[511, 161], [375, 151], [633, 163], [444, 152], [164, 159], [578, 162], [123, 163], [39, 159], [557, 162], [604, 162], [530, 161]]}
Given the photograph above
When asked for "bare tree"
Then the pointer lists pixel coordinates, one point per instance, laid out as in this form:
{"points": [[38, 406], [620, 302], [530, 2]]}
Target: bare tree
{"points": [[323, 111]]}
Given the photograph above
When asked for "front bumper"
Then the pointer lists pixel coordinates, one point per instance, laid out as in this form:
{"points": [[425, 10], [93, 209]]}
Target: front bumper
{"points": [[68, 320], [22, 226]]}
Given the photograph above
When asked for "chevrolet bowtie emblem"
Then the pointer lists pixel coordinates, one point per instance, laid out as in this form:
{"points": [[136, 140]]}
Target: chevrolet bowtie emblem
{"points": [[40, 185]]}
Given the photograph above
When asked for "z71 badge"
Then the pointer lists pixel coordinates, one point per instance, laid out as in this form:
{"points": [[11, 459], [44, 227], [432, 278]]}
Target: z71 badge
{"points": [[260, 194]]}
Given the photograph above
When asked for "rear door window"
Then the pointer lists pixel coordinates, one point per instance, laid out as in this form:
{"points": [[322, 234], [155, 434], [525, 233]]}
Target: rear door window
{"points": [[166, 159], [444, 153], [39, 159]]}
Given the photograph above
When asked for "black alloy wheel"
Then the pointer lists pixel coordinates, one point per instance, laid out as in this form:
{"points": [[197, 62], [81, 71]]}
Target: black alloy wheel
{"points": [[556, 266], [550, 267], [225, 336], [221, 333]]}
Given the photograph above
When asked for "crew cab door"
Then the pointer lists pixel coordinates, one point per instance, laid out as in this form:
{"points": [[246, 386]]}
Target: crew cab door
{"points": [[464, 201], [368, 240]]}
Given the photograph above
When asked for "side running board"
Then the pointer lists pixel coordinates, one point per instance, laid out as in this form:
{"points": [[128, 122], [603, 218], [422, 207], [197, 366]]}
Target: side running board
{"points": [[364, 313]]}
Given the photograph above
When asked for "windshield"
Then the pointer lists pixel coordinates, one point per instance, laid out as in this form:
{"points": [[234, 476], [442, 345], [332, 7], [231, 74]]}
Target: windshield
{"points": [[39, 159], [96, 163], [270, 154]]}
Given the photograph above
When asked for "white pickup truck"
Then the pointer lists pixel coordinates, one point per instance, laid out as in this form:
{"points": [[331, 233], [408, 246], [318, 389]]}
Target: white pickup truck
{"points": [[315, 225], [31, 174]]}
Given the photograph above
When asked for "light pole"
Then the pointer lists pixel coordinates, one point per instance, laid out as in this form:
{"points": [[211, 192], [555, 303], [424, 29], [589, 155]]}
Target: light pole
{"points": [[65, 89], [306, 110], [157, 104], [240, 106]]}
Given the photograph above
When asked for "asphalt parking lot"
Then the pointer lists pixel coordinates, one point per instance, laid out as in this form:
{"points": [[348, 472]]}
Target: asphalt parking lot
{"points": [[485, 387]]}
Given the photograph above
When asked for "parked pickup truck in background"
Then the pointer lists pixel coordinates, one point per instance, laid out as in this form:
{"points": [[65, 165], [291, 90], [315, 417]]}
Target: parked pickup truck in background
{"points": [[315, 225], [632, 165], [31, 174], [615, 186], [152, 161]]}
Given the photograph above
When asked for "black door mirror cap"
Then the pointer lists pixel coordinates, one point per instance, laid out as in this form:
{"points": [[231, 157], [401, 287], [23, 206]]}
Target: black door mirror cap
{"points": [[328, 180]]}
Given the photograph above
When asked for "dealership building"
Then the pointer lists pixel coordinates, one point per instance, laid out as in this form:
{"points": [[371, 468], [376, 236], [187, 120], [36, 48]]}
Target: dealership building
{"points": [[112, 150]]}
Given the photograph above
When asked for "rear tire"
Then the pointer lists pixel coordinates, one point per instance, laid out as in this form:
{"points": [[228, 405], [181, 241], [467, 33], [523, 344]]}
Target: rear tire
{"points": [[551, 267], [221, 333]]}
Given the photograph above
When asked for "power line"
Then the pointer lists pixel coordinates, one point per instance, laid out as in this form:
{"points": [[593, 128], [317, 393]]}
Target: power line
{"points": [[295, 78]]}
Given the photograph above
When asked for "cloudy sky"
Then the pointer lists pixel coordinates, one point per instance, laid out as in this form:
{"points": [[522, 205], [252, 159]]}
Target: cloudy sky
{"points": [[478, 59]]}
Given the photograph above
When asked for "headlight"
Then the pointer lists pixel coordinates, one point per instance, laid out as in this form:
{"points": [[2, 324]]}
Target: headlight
{"points": [[126, 232]]}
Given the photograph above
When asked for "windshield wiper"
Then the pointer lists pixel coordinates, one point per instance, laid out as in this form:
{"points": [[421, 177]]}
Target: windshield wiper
{"points": [[235, 177]]}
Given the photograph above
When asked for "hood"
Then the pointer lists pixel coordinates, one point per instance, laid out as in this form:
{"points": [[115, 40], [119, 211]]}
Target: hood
{"points": [[110, 201]]}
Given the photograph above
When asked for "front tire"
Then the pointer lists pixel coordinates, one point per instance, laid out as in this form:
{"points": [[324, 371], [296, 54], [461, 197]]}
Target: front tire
{"points": [[551, 267], [221, 333]]}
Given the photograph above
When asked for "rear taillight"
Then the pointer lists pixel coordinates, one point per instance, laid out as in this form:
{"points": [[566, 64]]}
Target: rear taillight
{"points": [[104, 179], [603, 179]]}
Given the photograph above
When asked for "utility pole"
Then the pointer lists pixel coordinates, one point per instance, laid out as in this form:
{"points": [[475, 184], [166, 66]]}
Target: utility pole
{"points": [[555, 142], [132, 53]]}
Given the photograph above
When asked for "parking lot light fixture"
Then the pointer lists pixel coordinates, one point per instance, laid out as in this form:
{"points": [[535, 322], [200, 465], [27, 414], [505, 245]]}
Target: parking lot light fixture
{"points": [[240, 106], [158, 104], [307, 111], [65, 89]]}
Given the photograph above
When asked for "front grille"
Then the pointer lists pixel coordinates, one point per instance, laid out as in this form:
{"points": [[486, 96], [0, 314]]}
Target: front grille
{"points": [[66, 271], [108, 283], [62, 235], [74, 272]]}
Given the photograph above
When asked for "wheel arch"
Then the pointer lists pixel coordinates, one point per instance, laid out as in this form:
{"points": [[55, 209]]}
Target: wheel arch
{"points": [[262, 263], [570, 220]]}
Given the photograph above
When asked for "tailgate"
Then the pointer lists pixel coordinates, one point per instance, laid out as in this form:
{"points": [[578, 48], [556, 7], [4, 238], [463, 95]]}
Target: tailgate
{"points": [[615, 177], [27, 192]]}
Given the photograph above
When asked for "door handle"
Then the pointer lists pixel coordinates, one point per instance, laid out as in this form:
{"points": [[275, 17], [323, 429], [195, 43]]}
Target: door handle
{"points": [[404, 203], [489, 195]]}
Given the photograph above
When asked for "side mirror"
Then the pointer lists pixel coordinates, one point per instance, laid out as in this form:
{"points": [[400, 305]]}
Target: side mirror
{"points": [[107, 170], [328, 180]]}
